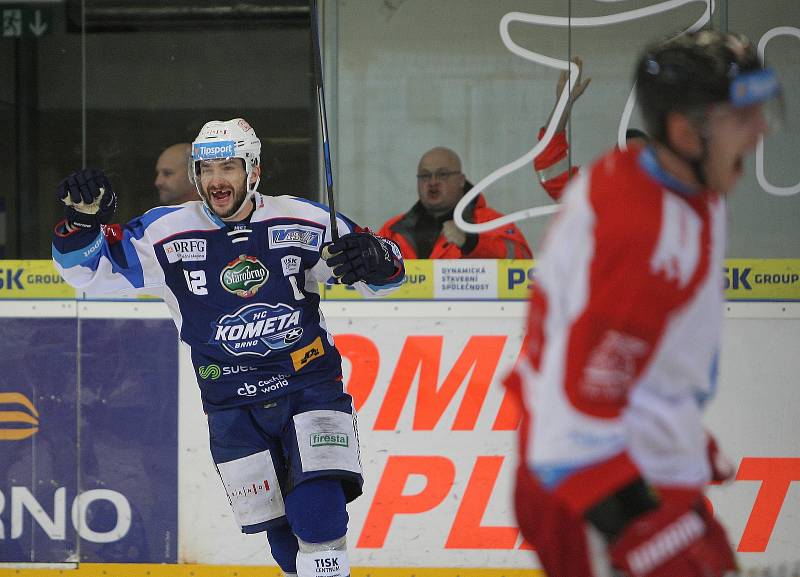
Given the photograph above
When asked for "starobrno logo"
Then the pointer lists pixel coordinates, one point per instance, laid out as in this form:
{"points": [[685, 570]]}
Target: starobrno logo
{"points": [[244, 276]]}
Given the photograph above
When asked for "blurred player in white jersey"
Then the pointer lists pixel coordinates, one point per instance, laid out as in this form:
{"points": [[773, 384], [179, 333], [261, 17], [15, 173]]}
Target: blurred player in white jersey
{"points": [[624, 328]]}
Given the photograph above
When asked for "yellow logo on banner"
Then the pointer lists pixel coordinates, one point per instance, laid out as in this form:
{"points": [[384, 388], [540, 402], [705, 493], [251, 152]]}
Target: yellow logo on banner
{"points": [[762, 279], [418, 285], [32, 279], [17, 418], [515, 278]]}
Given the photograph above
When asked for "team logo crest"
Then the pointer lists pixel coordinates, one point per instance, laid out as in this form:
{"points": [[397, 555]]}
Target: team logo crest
{"points": [[257, 329], [244, 276]]}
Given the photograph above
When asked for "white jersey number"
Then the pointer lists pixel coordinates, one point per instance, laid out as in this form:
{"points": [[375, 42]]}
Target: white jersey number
{"points": [[196, 281]]}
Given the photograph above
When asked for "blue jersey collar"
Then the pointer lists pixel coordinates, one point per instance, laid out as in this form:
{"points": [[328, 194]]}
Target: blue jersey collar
{"points": [[649, 163]]}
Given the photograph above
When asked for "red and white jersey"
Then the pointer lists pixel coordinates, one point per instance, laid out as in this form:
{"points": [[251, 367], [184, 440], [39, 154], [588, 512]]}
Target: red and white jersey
{"points": [[623, 333]]}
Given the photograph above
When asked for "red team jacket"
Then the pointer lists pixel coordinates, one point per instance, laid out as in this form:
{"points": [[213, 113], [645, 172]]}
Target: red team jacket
{"points": [[504, 242], [622, 339]]}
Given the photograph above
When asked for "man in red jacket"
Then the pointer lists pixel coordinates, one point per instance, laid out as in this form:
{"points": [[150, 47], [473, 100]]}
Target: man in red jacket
{"points": [[428, 230]]}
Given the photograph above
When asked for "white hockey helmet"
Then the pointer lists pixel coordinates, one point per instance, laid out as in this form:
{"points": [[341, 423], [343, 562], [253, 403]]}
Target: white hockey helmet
{"points": [[220, 139]]}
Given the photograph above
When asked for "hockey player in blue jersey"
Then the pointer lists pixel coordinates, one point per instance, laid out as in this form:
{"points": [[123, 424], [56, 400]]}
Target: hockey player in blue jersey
{"points": [[239, 272]]}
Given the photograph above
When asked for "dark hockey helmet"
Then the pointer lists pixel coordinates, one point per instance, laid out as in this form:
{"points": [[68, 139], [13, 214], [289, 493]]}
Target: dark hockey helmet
{"points": [[693, 71]]}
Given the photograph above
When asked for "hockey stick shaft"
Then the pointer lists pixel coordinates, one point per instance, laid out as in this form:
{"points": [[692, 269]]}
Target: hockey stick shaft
{"points": [[323, 118]]}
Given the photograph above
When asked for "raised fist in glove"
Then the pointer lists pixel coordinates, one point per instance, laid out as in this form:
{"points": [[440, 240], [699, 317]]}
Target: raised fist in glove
{"points": [[88, 198], [360, 256], [673, 540]]}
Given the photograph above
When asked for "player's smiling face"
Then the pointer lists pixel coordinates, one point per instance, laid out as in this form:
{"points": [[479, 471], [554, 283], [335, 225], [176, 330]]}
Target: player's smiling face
{"points": [[223, 184]]}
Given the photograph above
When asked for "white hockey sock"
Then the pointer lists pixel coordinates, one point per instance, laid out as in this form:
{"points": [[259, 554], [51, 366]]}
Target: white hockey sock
{"points": [[327, 559]]}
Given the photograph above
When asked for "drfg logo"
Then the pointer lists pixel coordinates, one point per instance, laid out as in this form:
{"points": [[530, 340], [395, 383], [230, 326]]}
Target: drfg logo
{"points": [[55, 527]]}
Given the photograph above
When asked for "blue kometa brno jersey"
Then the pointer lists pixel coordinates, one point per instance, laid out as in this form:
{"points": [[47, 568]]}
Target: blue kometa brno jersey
{"points": [[244, 296]]}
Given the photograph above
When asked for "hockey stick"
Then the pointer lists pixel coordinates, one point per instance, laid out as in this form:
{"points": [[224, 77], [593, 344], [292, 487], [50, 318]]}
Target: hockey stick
{"points": [[323, 118]]}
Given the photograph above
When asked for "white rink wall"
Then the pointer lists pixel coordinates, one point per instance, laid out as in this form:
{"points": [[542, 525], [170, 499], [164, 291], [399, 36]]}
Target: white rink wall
{"points": [[453, 462], [437, 440]]}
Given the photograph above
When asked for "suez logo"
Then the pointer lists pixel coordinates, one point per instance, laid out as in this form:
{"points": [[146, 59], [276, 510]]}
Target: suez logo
{"points": [[213, 372], [284, 235], [257, 329], [209, 150], [431, 390], [18, 416], [185, 249]]}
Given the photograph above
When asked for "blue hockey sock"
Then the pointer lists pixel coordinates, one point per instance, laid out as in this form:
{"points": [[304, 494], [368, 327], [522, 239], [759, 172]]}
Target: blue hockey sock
{"points": [[283, 545], [316, 510]]}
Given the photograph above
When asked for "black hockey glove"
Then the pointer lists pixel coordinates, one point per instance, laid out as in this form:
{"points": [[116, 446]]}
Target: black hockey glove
{"points": [[88, 198], [360, 256]]}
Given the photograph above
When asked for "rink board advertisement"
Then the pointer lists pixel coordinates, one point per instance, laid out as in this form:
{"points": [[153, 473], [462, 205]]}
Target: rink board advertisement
{"points": [[745, 280], [89, 448], [437, 437]]}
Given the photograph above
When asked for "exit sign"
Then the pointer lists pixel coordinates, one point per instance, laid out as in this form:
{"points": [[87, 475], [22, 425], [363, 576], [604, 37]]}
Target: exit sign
{"points": [[25, 21]]}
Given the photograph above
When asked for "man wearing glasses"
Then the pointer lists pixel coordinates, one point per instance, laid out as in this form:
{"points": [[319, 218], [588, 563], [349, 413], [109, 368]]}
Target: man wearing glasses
{"points": [[428, 230]]}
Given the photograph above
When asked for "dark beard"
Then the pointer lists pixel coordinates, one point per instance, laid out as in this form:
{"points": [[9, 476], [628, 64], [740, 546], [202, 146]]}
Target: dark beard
{"points": [[238, 202]]}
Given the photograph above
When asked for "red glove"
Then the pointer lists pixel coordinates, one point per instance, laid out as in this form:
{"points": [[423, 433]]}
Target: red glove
{"points": [[671, 541]]}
